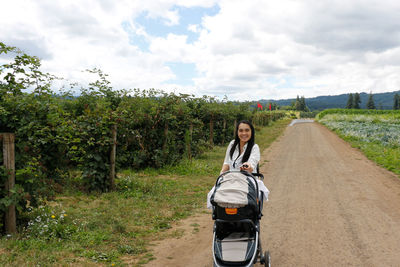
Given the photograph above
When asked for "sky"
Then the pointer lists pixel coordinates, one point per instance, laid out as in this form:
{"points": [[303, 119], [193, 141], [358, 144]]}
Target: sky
{"points": [[244, 50]]}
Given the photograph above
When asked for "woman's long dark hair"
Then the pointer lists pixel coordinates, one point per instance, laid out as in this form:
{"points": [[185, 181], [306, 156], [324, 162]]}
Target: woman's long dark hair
{"points": [[250, 143]]}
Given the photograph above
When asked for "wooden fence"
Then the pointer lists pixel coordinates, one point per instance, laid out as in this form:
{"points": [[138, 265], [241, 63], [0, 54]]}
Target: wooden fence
{"points": [[10, 220]]}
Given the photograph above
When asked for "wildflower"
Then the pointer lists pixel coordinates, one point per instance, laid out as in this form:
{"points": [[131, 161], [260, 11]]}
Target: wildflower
{"points": [[52, 216]]}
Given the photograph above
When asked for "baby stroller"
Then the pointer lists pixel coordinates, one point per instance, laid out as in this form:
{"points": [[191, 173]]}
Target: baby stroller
{"points": [[237, 205]]}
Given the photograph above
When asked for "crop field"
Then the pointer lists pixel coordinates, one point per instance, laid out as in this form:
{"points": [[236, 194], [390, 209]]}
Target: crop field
{"points": [[367, 128], [377, 135]]}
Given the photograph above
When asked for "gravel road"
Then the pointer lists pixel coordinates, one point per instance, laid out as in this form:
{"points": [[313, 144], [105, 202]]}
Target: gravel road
{"points": [[329, 206]]}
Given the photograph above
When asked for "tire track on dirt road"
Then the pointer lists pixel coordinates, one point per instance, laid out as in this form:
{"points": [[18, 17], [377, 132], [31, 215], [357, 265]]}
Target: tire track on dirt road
{"points": [[329, 206], [326, 203]]}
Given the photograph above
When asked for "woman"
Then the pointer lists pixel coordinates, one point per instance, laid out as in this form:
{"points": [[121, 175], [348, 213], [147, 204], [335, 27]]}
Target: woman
{"points": [[242, 153]]}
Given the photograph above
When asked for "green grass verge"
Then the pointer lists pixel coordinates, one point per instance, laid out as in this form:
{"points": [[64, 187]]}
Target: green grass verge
{"points": [[115, 229]]}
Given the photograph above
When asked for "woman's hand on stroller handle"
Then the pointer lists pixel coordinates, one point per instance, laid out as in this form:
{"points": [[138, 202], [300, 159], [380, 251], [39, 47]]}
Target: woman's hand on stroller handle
{"points": [[246, 167]]}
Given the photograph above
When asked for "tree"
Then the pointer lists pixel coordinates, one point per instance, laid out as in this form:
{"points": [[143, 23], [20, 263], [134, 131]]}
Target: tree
{"points": [[300, 104], [350, 100], [297, 105], [396, 102], [274, 106], [370, 102], [356, 101], [23, 73], [303, 106]]}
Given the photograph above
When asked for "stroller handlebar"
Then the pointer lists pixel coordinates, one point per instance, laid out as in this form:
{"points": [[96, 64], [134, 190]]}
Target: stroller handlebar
{"points": [[259, 175]]}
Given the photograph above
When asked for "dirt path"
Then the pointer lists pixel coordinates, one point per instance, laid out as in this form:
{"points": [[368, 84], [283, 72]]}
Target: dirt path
{"points": [[329, 206]]}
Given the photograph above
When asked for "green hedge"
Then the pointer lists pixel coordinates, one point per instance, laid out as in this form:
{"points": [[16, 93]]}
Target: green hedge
{"points": [[57, 134]]}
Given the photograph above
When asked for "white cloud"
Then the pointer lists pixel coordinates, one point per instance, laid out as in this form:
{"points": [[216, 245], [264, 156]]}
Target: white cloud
{"points": [[322, 47], [249, 50], [194, 28]]}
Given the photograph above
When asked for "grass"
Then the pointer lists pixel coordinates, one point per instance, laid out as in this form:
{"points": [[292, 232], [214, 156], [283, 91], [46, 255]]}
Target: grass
{"points": [[115, 228], [375, 134]]}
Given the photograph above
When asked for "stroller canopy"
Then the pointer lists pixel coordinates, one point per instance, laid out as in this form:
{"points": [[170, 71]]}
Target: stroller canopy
{"points": [[235, 190]]}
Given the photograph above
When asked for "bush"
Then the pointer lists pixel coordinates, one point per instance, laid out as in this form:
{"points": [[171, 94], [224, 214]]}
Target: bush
{"points": [[311, 114], [48, 224]]}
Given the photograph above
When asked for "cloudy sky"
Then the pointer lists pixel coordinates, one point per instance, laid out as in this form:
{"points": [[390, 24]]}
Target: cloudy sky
{"points": [[246, 50]]}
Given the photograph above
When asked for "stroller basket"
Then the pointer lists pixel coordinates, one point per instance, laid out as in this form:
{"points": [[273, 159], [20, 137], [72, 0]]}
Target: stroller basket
{"points": [[235, 244]]}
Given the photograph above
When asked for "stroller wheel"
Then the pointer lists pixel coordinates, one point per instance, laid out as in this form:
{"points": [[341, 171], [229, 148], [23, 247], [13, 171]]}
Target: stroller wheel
{"points": [[262, 258], [267, 259]]}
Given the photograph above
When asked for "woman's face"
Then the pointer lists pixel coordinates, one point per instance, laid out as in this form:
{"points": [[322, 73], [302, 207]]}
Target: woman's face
{"points": [[244, 132]]}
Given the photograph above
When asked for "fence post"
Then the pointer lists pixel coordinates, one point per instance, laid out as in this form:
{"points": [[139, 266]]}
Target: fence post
{"points": [[165, 137], [234, 128], [224, 132], [189, 145], [212, 131], [9, 164], [113, 155]]}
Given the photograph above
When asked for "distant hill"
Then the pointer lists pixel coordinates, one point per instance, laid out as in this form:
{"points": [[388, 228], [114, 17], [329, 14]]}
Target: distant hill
{"points": [[382, 101]]}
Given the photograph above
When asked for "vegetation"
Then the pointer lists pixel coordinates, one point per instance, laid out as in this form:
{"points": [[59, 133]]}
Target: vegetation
{"points": [[272, 106], [370, 102], [396, 102], [375, 132], [310, 114], [356, 101], [295, 105], [300, 104], [350, 101], [353, 102], [115, 228], [339, 111], [382, 101], [64, 142]]}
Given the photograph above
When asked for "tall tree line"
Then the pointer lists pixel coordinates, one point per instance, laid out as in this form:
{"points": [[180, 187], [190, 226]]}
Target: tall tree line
{"points": [[300, 104], [353, 101]]}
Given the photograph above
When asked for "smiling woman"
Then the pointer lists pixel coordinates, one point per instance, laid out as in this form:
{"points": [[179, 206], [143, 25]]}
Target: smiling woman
{"points": [[242, 152]]}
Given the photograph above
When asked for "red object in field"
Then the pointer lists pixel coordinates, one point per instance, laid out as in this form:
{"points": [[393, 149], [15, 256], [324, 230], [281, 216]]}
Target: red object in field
{"points": [[269, 106], [259, 105]]}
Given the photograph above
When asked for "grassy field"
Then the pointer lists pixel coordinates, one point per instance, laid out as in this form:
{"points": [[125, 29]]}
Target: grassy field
{"points": [[112, 229], [376, 135]]}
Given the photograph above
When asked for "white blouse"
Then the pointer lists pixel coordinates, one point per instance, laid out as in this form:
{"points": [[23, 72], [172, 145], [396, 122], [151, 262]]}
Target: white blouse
{"points": [[236, 161]]}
